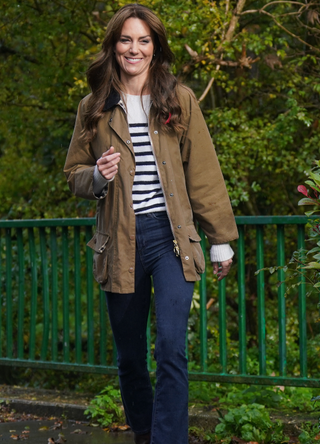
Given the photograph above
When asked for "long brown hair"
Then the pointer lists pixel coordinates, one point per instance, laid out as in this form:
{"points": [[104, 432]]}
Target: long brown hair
{"points": [[104, 74]]}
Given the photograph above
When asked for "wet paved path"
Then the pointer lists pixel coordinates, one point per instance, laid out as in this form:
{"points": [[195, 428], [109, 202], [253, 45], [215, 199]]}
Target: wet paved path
{"points": [[94, 435]]}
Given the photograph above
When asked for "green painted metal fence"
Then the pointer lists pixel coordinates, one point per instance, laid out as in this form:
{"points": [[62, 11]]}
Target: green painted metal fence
{"points": [[54, 316]]}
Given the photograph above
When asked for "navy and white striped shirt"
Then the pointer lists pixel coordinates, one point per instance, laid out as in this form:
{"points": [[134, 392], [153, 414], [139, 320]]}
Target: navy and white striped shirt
{"points": [[147, 193]]}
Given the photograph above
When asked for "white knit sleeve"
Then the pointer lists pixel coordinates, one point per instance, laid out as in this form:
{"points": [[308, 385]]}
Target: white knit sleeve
{"points": [[221, 252]]}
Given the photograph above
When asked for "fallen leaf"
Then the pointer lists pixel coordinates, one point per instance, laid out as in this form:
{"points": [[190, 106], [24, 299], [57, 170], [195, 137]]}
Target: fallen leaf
{"points": [[56, 426], [78, 432], [61, 439], [124, 427], [51, 441], [15, 437], [44, 428]]}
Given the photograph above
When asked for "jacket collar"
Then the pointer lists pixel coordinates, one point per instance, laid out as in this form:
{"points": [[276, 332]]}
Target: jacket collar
{"points": [[112, 100]]}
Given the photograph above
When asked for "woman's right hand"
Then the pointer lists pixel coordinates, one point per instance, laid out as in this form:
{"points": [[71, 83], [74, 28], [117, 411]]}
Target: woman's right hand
{"points": [[108, 163]]}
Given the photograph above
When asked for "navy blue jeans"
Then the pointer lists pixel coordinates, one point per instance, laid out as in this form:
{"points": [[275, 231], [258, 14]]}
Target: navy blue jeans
{"points": [[165, 415]]}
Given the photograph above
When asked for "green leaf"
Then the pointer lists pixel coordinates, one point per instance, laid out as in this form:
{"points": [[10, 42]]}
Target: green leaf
{"points": [[306, 201], [315, 265]]}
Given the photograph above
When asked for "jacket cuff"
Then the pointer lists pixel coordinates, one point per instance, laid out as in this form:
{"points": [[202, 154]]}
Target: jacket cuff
{"points": [[100, 184], [221, 252]]}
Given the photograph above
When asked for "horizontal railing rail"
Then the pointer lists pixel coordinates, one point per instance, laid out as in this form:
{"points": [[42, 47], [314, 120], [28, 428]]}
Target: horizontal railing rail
{"points": [[53, 315]]}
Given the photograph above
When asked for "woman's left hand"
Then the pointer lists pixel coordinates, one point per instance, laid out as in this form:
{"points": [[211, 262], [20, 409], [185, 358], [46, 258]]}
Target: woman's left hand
{"points": [[221, 269]]}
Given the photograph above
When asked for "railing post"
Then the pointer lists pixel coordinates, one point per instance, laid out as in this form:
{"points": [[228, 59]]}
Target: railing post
{"points": [[54, 294], [20, 294], [65, 294], [302, 311], [242, 302], [281, 302], [9, 294], [223, 325], [34, 294], [261, 302], [45, 294]]}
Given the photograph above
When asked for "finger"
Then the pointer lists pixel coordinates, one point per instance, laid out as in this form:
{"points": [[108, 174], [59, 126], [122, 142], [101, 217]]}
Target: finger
{"points": [[215, 266], [224, 269], [111, 160], [115, 158], [109, 172], [109, 151]]}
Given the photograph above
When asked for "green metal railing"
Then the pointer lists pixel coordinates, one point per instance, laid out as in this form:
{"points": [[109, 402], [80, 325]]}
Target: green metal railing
{"points": [[54, 316]]}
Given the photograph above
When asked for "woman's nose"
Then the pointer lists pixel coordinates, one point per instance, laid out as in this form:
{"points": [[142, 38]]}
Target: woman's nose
{"points": [[134, 48]]}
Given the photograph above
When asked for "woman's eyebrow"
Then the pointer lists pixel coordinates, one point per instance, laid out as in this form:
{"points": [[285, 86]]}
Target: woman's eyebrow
{"points": [[129, 36]]}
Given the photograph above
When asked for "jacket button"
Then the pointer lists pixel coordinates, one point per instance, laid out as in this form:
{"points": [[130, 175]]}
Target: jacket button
{"points": [[179, 226], [156, 132], [131, 205], [187, 258], [132, 172], [131, 270], [164, 162], [110, 120], [128, 142], [171, 194], [132, 237]]}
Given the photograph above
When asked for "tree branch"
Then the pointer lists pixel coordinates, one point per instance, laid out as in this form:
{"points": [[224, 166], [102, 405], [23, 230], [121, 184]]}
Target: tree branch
{"points": [[6, 50], [252, 11], [233, 23], [289, 32], [226, 38]]}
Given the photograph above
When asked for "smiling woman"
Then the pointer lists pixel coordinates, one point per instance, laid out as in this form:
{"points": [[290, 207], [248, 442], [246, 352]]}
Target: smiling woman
{"points": [[142, 149], [134, 52]]}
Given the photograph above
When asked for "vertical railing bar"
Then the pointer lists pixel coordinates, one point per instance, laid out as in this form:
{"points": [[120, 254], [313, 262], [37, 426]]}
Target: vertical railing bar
{"points": [[9, 319], [90, 325], [34, 294], [203, 311], [21, 313], [261, 302], [77, 294], [54, 294], [281, 302], [302, 311], [45, 294], [242, 302], [103, 328], [65, 295], [223, 325]]}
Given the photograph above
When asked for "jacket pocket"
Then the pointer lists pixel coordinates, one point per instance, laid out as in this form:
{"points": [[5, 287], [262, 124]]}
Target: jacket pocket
{"points": [[196, 249], [100, 263]]}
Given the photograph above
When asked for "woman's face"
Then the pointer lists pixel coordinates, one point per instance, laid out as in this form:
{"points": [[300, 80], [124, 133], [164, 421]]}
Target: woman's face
{"points": [[134, 50]]}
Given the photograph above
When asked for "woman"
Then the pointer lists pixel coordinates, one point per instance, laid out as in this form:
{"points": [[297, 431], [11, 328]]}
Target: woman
{"points": [[142, 149]]}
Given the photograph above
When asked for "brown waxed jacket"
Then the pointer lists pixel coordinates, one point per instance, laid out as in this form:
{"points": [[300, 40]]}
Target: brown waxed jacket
{"points": [[190, 176]]}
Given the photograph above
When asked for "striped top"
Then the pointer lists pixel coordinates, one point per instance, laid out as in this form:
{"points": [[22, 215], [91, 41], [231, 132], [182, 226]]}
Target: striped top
{"points": [[147, 193]]}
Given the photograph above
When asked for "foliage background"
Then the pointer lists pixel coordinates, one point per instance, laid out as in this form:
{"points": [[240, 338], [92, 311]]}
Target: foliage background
{"points": [[262, 107], [254, 65]]}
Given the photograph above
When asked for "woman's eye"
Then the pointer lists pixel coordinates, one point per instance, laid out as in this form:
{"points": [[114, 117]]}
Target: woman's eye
{"points": [[145, 41], [124, 40]]}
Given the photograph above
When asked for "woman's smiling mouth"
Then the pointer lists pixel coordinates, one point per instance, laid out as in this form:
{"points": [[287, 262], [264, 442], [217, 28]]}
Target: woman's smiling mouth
{"points": [[132, 60]]}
